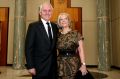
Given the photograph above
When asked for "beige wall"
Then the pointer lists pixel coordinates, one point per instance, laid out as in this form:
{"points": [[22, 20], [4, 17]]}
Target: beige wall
{"points": [[115, 9], [32, 10], [89, 27]]}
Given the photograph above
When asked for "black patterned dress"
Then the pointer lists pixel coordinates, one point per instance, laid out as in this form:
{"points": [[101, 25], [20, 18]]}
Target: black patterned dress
{"points": [[68, 60]]}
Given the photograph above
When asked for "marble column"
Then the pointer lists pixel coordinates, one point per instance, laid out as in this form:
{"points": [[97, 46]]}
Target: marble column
{"points": [[19, 34], [103, 23]]}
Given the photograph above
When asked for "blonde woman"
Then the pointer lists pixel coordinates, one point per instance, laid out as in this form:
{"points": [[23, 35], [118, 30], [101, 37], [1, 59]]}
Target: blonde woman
{"points": [[69, 41]]}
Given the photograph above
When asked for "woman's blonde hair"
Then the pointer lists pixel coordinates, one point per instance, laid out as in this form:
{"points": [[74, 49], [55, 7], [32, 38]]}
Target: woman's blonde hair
{"points": [[68, 17]]}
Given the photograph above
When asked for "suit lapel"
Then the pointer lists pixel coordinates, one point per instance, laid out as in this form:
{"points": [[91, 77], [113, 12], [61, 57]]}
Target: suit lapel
{"points": [[42, 28]]}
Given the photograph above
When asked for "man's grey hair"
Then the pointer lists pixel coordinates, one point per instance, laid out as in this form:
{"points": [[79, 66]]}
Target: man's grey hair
{"points": [[44, 3]]}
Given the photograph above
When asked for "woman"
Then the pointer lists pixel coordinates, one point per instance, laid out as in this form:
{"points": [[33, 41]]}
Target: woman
{"points": [[69, 42]]}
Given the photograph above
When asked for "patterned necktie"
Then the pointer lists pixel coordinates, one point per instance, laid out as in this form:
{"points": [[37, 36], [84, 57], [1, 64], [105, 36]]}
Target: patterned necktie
{"points": [[49, 32]]}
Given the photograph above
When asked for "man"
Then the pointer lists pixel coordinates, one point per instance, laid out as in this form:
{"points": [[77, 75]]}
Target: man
{"points": [[40, 45]]}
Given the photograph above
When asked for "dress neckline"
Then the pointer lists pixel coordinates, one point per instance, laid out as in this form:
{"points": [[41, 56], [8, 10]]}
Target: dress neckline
{"points": [[66, 32]]}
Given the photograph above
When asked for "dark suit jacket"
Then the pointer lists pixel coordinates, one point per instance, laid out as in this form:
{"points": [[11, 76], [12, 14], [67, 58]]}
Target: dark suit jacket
{"points": [[40, 54]]}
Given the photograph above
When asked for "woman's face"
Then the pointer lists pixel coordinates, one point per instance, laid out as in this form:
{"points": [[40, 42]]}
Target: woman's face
{"points": [[64, 21]]}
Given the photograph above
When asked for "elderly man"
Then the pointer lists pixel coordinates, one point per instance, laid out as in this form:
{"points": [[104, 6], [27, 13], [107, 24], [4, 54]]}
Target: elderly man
{"points": [[40, 45]]}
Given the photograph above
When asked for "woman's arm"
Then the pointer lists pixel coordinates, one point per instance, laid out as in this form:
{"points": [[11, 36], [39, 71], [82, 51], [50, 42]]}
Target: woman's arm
{"points": [[83, 68]]}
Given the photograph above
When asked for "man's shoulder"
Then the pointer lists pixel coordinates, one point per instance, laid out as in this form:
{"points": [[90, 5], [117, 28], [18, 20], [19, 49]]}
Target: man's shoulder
{"points": [[34, 25]]}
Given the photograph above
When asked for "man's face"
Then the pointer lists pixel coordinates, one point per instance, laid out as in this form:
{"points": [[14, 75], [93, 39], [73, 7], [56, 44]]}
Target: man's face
{"points": [[46, 12]]}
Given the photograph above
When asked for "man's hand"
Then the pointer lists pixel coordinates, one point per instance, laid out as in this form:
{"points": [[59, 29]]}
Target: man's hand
{"points": [[32, 71]]}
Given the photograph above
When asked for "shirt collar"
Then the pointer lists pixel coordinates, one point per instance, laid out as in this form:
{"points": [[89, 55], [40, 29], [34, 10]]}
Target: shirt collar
{"points": [[44, 22]]}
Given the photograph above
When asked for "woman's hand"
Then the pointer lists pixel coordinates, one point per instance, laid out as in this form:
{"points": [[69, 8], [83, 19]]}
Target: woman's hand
{"points": [[83, 69]]}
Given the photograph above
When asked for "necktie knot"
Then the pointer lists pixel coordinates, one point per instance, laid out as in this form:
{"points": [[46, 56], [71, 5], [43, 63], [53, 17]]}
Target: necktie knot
{"points": [[49, 28], [47, 23]]}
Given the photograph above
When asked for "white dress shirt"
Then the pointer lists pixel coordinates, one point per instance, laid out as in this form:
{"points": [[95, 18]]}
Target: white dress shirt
{"points": [[46, 26]]}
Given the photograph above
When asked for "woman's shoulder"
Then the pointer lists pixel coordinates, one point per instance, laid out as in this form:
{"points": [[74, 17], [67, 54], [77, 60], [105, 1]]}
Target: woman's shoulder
{"points": [[75, 31]]}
